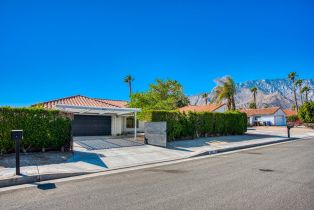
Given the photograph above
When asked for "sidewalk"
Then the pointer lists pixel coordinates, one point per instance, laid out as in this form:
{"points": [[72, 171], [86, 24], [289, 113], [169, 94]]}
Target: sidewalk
{"points": [[51, 165]]}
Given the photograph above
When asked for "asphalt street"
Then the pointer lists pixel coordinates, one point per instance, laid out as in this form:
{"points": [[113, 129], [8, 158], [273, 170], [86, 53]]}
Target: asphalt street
{"points": [[276, 177]]}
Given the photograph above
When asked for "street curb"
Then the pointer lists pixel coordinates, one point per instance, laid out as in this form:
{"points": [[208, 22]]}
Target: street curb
{"points": [[19, 180], [242, 147]]}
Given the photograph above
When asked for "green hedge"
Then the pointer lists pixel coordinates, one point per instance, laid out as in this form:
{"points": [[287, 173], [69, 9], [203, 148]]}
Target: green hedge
{"points": [[201, 124], [292, 118], [42, 128], [306, 112]]}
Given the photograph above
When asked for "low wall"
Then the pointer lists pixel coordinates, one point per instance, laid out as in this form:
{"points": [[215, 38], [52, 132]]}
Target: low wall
{"points": [[156, 133]]}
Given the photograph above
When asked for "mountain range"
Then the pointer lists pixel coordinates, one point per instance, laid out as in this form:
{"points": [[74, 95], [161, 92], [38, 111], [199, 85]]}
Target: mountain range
{"points": [[271, 92]]}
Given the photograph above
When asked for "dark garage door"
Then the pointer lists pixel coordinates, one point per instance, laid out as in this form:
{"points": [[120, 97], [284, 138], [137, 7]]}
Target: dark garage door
{"points": [[88, 125]]}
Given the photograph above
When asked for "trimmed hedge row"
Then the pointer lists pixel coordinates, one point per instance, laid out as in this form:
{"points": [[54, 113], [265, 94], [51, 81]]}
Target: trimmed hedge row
{"points": [[201, 124], [42, 129]]}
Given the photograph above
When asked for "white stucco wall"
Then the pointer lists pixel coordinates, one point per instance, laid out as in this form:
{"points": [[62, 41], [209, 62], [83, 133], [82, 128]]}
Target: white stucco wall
{"points": [[116, 125], [271, 118]]}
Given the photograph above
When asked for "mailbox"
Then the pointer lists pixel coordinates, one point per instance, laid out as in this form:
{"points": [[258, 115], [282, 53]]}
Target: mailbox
{"points": [[16, 135], [289, 126]]}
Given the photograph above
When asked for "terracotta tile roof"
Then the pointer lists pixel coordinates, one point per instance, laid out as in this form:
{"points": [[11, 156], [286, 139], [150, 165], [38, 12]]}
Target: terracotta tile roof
{"points": [[79, 100], [290, 112], [200, 108], [263, 111], [118, 103]]}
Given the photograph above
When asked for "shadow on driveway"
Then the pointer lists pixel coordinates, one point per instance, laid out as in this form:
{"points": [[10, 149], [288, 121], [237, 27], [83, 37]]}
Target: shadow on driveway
{"points": [[49, 158]]}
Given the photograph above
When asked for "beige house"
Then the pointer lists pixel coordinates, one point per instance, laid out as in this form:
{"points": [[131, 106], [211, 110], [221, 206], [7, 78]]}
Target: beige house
{"points": [[97, 117]]}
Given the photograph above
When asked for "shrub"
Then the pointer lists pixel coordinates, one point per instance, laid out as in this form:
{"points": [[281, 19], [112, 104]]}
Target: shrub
{"points": [[42, 128], [293, 118], [200, 124], [306, 112]]}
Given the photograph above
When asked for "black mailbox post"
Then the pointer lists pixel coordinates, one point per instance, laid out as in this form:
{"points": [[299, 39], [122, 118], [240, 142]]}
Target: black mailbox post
{"points": [[17, 136], [288, 129]]}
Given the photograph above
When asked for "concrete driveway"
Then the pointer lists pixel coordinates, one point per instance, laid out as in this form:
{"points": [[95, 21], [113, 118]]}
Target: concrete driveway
{"points": [[103, 142]]}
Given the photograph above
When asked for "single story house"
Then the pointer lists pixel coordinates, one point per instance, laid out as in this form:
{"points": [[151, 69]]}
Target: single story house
{"points": [[204, 108], [97, 117], [290, 112], [273, 116]]}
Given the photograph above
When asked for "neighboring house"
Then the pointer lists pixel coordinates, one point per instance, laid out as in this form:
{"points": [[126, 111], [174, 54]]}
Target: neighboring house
{"points": [[204, 108], [273, 115], [97, 117], [290, 112]]}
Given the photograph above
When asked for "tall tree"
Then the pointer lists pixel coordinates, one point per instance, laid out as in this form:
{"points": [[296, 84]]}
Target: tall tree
{"points": [[129, 79], [161, 95], [225, 90], [306, 90], [205, 97], [298, 83], [254, 91], [292, 76]]}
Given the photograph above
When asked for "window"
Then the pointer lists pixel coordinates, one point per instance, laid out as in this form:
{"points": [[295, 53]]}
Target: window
{"points": [[258, 118], [130, 122]]}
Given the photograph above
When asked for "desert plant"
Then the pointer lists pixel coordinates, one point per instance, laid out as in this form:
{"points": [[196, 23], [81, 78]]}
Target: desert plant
{"points": [[299, 83], [225, 90], [306, 112], [306, 90], [254, 91], [129, 79], [292, 76]]}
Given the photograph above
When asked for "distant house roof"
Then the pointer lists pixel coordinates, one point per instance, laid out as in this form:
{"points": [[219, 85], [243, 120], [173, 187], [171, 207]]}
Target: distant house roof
{"points": [[263, 111], [290, 112], [79, 100], [201, 108]]}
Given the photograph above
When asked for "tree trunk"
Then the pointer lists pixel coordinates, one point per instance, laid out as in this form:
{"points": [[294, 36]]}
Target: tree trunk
{"points": [[130, 87], [254, 95], [306, 96], [295, 99], [233, 103], [229, 104], [301, 96]]}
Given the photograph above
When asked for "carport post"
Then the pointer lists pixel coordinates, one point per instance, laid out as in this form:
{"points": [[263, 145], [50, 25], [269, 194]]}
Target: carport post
{"points": [[135, 125]]}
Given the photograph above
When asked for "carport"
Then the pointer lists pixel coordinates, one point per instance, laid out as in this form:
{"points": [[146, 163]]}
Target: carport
{"points": [[97, 120]]}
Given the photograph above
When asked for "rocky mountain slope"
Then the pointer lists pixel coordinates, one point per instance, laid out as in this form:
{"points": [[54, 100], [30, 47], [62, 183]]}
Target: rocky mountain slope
{"points": [[275, 92]]}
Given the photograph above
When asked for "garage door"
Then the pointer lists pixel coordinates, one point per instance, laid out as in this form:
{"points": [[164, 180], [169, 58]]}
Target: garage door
{"points": [[87, 125], [280, 120]]}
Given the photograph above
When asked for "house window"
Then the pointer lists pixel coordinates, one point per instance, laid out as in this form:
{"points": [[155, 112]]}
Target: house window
{"points": [[257, 118], [130, 122]]}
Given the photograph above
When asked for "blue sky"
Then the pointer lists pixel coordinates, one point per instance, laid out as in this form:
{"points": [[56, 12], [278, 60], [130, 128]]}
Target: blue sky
{"points": [[53, 49]]}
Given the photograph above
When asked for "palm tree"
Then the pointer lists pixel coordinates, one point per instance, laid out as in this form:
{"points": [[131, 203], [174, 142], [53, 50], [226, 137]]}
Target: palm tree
{"points": [[298, 83], [305, 90], [129, 79], [254, 91], [292, 76], [225, 90], [205, 96]]}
